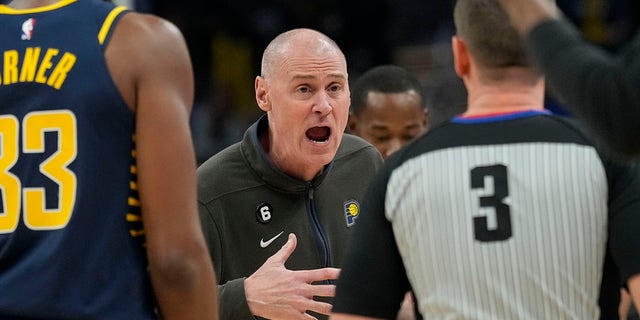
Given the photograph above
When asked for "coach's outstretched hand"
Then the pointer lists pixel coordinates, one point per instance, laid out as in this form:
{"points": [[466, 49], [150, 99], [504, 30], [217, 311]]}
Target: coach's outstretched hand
{"points": [[274, 292]]}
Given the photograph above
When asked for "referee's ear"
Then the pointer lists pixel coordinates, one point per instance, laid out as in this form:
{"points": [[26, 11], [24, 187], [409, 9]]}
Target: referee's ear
{"points": [[461, 58]]}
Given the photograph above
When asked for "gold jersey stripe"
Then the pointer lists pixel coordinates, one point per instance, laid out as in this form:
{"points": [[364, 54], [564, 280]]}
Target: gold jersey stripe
{"points": [[132, 217], [134, 202], [136, 233], [106, 26], [7, 10]]}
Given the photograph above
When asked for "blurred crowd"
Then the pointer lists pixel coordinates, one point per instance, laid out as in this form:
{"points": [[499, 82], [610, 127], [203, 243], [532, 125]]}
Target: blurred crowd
{"points": [[226, 39]]}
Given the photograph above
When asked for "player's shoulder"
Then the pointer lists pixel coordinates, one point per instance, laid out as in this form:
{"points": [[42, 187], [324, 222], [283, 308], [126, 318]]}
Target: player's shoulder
{"points": [[149, 31]]}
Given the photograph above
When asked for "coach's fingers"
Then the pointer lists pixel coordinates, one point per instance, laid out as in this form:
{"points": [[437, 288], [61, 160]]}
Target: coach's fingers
{"points": [[285, 252], [319, 307], [315, 275], [321, 290]]}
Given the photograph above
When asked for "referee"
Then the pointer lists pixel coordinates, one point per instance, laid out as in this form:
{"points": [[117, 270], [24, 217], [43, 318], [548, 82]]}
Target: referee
{"points": [[504, 212]]}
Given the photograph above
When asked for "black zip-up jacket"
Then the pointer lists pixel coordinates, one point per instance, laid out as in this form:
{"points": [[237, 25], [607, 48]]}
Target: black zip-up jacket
{"points": [[248, 207]]}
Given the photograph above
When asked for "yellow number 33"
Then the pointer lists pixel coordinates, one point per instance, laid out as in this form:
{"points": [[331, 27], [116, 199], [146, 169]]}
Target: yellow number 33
{"points": [[12, 195]]}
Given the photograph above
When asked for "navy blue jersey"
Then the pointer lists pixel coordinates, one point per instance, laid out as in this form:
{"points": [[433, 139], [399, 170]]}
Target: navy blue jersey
{"points": [[67, 170]]}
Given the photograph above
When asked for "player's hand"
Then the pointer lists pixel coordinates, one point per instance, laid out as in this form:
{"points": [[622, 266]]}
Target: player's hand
{"points": [[274, 292]]}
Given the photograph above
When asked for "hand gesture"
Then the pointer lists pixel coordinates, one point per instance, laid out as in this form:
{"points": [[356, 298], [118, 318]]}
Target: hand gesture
{"points": [[274, 292]]}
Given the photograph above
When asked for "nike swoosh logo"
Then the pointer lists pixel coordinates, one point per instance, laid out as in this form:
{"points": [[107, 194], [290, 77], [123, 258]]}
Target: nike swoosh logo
{"points": [[264, 244]]}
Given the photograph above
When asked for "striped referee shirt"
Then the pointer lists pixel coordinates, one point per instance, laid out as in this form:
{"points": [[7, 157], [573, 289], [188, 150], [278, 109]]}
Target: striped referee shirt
{"points": [[501, 217]]}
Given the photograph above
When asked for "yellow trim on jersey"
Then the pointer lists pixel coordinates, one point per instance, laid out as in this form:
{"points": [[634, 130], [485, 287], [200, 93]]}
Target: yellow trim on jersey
{"points": [[106, 26], [8, 10]]}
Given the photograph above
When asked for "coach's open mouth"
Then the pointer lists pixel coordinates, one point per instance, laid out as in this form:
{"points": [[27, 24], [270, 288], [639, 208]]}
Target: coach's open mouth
{"points": [[318, 134]]}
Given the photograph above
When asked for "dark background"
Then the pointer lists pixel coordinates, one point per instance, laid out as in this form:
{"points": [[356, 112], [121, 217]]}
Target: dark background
{"points": [[226, 39]]}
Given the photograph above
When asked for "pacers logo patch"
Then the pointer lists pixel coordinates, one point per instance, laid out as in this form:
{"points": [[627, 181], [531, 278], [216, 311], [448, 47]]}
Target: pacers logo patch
{"points": [[351, 211]]}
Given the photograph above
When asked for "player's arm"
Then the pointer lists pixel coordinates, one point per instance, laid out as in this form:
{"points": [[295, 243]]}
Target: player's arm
{"points": [[149, 61]]}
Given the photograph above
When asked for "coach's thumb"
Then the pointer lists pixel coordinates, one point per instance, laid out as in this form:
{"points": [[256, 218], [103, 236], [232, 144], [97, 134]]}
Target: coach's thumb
{"points": [[287, 249]]}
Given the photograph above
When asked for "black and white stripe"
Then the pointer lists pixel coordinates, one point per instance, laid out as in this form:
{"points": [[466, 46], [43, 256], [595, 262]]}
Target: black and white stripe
{"points": [[550, 266]]}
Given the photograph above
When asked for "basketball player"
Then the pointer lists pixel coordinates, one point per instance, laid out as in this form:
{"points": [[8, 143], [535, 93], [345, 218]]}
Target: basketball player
{"points": [[98, 216], [387, 108]]}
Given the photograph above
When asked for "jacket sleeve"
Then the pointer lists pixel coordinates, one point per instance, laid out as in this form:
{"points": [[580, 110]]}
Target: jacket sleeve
{"points": [[232, 302], [591, 83]]}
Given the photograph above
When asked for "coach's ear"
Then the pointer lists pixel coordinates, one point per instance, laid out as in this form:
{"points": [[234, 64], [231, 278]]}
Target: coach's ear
{"points": [[262, 94], [461, 61]]}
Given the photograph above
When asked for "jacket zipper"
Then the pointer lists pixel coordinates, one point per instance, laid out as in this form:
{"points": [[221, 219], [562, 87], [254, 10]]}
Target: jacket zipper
{"points": [[318, 232]]}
